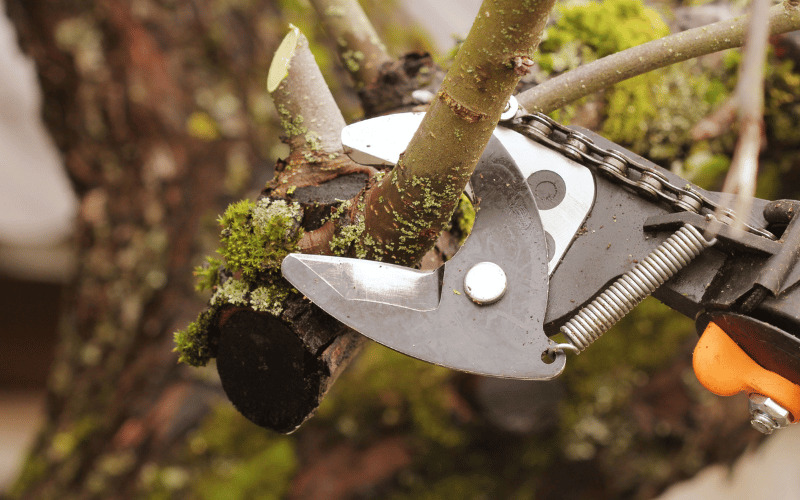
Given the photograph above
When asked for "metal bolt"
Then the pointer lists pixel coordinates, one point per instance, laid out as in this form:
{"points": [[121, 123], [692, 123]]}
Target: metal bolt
{"points": [[767, 415], [510, 110], [485, 283]]}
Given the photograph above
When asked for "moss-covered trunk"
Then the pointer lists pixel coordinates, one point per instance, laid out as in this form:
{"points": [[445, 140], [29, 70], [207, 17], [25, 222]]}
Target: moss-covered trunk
{"points": [[158, 109]]}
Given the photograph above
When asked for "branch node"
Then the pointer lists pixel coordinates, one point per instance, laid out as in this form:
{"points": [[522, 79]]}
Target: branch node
{"points": [[522, 65], [460, 110]]}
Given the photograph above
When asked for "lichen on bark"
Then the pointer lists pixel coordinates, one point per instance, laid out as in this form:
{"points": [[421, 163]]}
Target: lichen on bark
{"points": [[406, 210], [255, 238]]}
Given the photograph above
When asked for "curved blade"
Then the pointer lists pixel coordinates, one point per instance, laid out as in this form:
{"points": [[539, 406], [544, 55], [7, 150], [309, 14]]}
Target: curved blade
{"points": [[504, 339]]}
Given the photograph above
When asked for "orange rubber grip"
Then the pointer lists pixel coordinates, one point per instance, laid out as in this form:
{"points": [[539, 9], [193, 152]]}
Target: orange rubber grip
{"points": [[725, 369]]}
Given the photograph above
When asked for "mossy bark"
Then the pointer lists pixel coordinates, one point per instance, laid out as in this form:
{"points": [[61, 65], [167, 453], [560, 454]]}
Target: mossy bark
{"points": [[155, 108], [405, 212]]}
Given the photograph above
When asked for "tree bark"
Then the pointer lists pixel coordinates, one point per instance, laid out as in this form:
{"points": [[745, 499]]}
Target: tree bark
{"points": [[443, 153], [157, 133]]}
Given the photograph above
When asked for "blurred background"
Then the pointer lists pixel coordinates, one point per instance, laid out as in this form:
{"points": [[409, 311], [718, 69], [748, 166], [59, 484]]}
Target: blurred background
{"points": [[621, 423]]}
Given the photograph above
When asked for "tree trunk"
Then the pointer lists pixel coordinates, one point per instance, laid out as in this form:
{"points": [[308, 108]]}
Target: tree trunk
{"points": [[158, 111]]}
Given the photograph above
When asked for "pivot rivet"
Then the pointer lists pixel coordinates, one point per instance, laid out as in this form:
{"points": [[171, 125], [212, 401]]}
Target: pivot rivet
{"points": [[485, 283]]}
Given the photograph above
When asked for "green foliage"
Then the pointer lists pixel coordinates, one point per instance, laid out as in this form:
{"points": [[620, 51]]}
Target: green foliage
{"points": [[192, 342], [208, 275], [255, 238]]}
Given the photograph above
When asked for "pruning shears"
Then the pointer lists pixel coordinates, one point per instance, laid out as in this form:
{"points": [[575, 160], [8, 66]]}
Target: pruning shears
{"points": [[572, 232]]}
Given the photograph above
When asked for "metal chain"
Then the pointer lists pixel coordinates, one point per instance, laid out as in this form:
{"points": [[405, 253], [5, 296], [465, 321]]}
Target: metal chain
{"points": [[642, 179]]}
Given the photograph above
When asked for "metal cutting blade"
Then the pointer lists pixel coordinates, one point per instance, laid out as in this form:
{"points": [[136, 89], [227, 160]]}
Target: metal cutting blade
{"points": [[429, 315]]}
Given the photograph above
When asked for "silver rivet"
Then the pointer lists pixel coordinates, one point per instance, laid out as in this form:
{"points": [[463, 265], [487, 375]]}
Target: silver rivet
{"points": [[510, 110], [485, 283]]}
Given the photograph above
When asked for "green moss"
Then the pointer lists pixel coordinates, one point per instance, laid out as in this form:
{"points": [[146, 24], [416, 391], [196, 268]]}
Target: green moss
{"points": [[588, 31], [293, 125], [348, 236], [603, 27], [234, 292], [208, 275], [352, 60], [313, 140], [192, 343], [255, 238], [465, 217], [268, 299]]}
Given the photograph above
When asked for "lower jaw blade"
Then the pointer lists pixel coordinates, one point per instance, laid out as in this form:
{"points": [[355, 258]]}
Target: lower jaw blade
{"points": [[430, 316]]}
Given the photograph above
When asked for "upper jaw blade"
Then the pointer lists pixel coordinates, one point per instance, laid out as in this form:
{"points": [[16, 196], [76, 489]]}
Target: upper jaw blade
{"points": [[366, 281]]}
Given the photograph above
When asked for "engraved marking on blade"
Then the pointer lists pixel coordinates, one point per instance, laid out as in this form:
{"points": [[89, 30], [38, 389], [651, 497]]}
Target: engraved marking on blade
{"points": [[371, 281]]}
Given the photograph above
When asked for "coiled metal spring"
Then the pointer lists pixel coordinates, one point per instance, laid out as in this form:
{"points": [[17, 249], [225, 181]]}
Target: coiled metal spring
{"points": [[675, 253]]}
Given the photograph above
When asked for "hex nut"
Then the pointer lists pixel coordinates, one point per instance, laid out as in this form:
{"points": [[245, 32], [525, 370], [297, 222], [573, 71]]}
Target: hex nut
{"points": [[763, 423], [763, 404]]}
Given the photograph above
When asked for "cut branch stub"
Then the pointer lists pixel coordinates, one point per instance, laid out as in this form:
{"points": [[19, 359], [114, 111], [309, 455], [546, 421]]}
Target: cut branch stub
{"points": [[308, 113], [275, 370], [309, 116]]}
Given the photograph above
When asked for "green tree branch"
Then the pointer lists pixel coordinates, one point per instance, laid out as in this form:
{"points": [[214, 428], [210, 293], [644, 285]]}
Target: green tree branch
{"points": [[360, 49], [405, 212], [603, 73]]}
